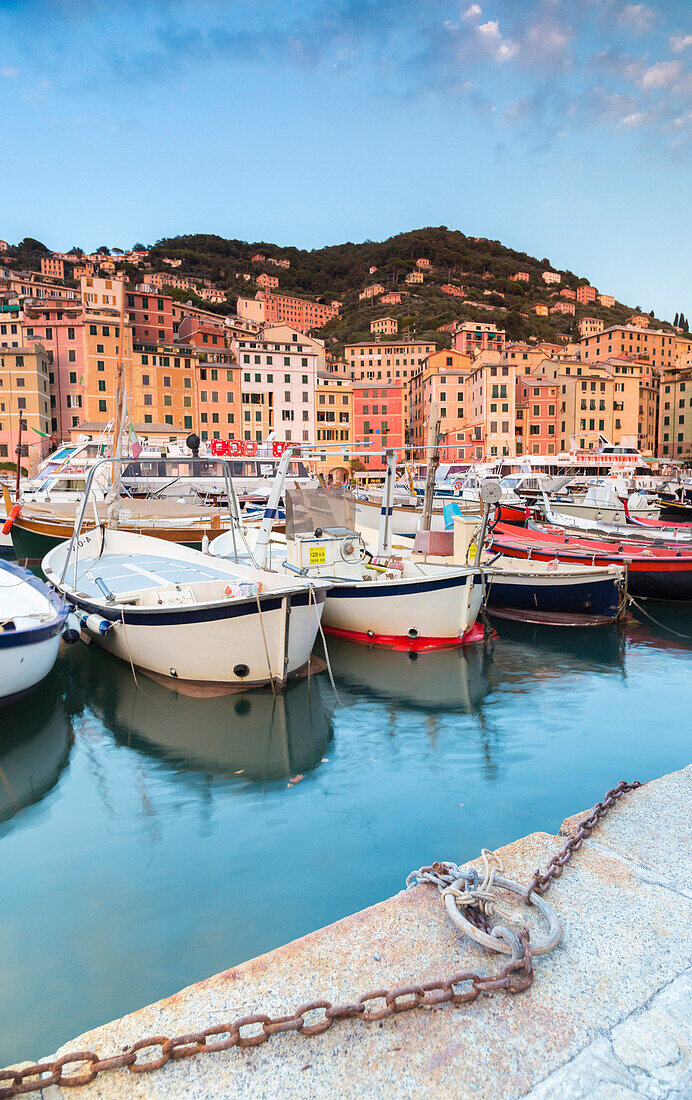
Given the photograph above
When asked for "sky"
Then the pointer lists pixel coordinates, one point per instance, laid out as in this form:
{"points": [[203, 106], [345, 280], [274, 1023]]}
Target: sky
{"points": [[563, 129]]}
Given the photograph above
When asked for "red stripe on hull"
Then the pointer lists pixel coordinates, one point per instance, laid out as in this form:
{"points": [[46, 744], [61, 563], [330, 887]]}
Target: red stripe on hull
{"points": [[404, 643]]}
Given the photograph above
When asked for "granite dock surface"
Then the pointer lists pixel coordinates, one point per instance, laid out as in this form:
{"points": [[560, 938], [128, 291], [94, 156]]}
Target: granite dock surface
{"points": [[609, 1014]]}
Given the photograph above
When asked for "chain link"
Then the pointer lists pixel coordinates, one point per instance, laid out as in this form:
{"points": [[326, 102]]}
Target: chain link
{"points": [[542, 881], [317, 1017], [249, 1031]]}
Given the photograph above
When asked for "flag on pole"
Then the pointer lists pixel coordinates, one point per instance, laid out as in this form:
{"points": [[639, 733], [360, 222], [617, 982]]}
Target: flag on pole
{"points": [[81, 379], [44, 435], [135, 445]]}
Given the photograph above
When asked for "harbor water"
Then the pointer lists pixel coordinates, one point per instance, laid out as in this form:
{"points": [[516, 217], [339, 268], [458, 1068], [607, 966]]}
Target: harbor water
{"points": [[148, 839]]}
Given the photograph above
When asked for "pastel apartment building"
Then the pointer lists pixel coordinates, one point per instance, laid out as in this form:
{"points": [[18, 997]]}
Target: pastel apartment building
{"points": [[655, 345], [258, 258], [150, 316], [4, 246], [590, 326], [267, 282], [423, 264], [472, 337], [606, 300], [551, 277], [491, 412], [333, 415], [52, 267], [564, 307], [568, 293], [278, 262], [392, 361], [97, 292], [414, 277], [280, 309], [442, 379], [25, 395], [387, 326], [370, 291], [540, 309], [520, 277], [586, 294], [454, 291], [593, 399], [675, 414], [379, 419], [278, 377], [59, 328], [640, 320], [536, 415], [165, 386], [393, 297]]}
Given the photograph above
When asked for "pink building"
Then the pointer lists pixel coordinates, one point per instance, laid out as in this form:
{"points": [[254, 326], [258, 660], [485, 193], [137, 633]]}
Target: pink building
{"points": [[267, 282], [586, 294], [59, 327], [474, 336], [520, 277], [563, 307], [456, 291], [52, 267], [567, 293], [536, 415]]}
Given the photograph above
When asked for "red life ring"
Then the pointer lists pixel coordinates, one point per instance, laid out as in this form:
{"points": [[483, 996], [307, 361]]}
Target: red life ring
{"points": [[14, 512], [458, 485]]}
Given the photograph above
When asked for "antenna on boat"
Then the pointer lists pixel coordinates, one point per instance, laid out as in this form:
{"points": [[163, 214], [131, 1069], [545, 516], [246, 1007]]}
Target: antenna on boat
{"points": [[384, 545]]}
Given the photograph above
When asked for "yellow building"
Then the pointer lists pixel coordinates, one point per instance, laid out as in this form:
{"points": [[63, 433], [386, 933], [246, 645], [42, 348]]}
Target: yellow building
{"points": [[95, 399], [442, 379], [334, 420], [653, 344], [491, 407], [387, 326], [675, 414], [594, 398], [590, 326], [25, 394], [387, 361], [371, 291]]}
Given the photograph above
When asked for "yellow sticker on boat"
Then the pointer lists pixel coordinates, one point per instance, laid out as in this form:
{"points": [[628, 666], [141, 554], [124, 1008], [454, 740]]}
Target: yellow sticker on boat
{"points": [[318, 555]]}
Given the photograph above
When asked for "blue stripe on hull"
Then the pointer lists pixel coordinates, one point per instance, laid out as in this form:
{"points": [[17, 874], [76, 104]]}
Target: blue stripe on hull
{"points": [[175, 616], [587, 597], [406, 588]]}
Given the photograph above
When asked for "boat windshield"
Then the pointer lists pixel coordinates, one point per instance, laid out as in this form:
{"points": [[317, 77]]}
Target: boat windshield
{"points": [[310, 508]]}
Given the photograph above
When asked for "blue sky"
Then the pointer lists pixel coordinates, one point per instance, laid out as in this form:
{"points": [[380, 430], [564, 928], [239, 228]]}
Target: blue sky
{"points": [[559, 128]]}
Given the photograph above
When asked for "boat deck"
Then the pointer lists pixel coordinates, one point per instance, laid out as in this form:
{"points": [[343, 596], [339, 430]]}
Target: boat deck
{"points": [[136, 572]]}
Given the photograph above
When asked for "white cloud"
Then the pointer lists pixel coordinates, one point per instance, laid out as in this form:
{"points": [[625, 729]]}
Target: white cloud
{"points": [[638, 18], [474, 12], [680, 42], [501, 49], [661, 74], [9, 72], [630, 121]]}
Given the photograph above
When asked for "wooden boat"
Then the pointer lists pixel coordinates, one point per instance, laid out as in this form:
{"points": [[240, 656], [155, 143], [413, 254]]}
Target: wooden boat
{"points": [[32, 618], [184, 617], [38, 528], [661, 573]]}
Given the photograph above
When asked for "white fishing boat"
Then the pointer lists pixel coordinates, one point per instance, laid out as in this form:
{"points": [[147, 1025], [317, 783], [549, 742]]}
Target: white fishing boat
{"points": [[31, 622], [377, 596], [184, 618], [603, 502]]}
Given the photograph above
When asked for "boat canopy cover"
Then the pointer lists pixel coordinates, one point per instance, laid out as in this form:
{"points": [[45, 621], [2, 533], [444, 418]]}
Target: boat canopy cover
{"points": [[310, 507]]}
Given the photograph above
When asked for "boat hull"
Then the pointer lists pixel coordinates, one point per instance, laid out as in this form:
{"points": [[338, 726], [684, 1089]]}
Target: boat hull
{"points": [[33, 539], [433, 612], [24, 666], [574, 595]]}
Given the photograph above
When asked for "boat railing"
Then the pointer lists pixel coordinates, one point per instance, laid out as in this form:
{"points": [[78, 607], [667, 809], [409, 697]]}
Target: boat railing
{"points": [[73, 547]]}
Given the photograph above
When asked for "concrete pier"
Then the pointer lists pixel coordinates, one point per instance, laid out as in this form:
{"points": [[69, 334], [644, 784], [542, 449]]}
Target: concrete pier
{"points": [[609, 1014]]}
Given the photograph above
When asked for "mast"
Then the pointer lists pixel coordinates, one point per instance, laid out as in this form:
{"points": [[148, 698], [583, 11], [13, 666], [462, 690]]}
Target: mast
{"points": [[113, 497], [18, 453], [433, 453]]}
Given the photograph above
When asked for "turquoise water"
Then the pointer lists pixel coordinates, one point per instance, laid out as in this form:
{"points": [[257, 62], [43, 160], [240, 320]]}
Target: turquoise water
{"points": [[148, 840]]}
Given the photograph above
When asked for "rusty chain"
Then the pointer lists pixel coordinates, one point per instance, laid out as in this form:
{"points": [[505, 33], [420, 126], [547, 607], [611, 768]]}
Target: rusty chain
{"points": [[515, 977], [542, 881]]}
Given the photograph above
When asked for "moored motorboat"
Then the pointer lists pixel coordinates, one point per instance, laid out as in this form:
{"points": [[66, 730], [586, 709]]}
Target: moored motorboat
{"points": [[32, 618], [184, 617], [655, 572]]}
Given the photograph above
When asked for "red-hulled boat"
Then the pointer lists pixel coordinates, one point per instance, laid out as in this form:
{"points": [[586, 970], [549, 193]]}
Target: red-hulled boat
{"points": [[653, 572]]}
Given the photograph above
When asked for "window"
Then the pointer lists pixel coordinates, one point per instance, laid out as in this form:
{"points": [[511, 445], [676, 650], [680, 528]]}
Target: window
{"points": [[102, 406], [73, 377], [147, 399], [102, 385], [93, 331]]}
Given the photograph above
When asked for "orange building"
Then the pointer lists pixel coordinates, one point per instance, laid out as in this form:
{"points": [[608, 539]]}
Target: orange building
{"points": [[586, 293], [520, 277], [656, 345], [442, 380], [150, 317], [378, 417], [267, 282], [455, 291], [100, 356], [52, 267], [25, 395], [301, 313], [536, 415]]}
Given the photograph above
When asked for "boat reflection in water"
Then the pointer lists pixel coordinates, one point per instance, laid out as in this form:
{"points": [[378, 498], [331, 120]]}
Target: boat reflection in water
{"points": [[35, 745], [252, 735]]}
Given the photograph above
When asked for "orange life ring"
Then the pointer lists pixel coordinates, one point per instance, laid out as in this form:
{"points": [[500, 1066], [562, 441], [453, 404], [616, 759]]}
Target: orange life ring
{"points": [[14, 512], [458, 485]]}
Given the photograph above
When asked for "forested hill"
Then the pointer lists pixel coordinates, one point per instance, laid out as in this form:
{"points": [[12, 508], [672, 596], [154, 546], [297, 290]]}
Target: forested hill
{"points": [[482, 267]]}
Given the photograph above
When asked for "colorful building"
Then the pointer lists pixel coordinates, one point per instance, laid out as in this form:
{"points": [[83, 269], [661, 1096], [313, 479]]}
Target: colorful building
{"points": [[371, 291], [454, 291], [520, 277], [25, 395], [586, 294], [52, 267], [536, 415], [675, 414], [278, 382], [551, 277], [563, 307], [267, 282], [442, 379], [387, 326], [473, 336], [150, 316], [59, 327], [590, 326], [656, 345], [606, 300], [379, 419]]}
